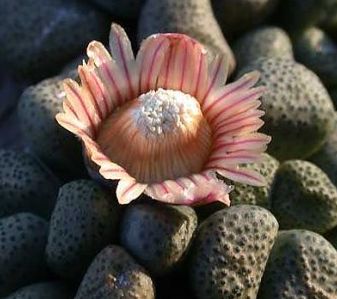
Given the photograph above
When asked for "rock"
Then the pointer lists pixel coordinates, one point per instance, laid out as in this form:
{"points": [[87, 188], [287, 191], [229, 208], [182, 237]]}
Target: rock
{"points": [[262, 42], [299, 112], [238, 16], [126, 9], [43, 290], [25, 185], [326, 157], [114, 274], [303, 197], [230, 252], [39, 36], [192, 17], [23, 238], [302, 264], [331, 236], [158, 235], [318, 52], [37, 109], [246, 194], [84, 221]]}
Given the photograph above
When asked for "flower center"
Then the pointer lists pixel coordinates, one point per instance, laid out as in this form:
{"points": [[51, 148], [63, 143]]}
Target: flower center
{"points": [[158, 136]]}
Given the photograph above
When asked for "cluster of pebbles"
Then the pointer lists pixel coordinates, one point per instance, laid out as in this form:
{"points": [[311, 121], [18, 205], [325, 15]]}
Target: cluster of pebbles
{"points": [[62, 235]]}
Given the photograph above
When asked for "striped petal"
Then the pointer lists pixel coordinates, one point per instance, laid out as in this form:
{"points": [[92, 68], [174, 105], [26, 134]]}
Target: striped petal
{"points": [[245, 176], [218, 160], [193, 190], [128, 190]]}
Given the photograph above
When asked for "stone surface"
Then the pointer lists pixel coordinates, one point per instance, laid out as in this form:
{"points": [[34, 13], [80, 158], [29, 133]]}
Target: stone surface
{"points": [[126, 9], [192, 17], [43, 290], [158, 235], [299, 112], [25, 185], [39, 36], [230, 252], [302, 264], [302, 196], [246, 194], [23, 238], [114, 274], [83, 222]]}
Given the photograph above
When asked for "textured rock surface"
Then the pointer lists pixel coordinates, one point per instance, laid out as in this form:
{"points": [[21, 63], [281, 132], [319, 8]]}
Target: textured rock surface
{"points": [[23, 238], [114, 274], [158, 235], [192, 17], [318, 52], [38, 36], [126, 9], [299, 111], [302, 264], [37, 109], [237, 16], [25, 186], [84, 221], [230, 251], [262, 42], [302, 196], [246, 194], [44, 290]]}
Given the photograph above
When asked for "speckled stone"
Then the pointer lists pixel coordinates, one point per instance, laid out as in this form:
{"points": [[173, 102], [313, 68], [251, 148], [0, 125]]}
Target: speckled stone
{"points": [[302, 196], [230, 252], [299, 112], [44, 290], [158, 235], [192, 17], [23, 238], [301, 265], [57, 147], [38, 36], [25, 185], [246, 194], [83, 222], [114, 274], [266, 41]]}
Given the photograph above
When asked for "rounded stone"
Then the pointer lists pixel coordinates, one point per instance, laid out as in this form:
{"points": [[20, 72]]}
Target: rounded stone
{"points": [[230, 252], [317, 51], [262, 42], [114, 274], [192, 17], [44, 290], [302, 264], [57, 147], [39, 36], [246, 194], [238, 16], [302, 196], [23, 238], [25, 185], [299, 112], [83, 222]]}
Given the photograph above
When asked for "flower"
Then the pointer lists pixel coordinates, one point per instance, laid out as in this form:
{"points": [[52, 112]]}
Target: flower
{"points": [[164, 123]]}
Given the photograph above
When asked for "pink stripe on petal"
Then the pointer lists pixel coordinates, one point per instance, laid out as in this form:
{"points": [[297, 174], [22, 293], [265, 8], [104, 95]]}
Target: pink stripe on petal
{"points": [[200, 80], [235, 158], [128, 190], [245, 176], [240, 128]]}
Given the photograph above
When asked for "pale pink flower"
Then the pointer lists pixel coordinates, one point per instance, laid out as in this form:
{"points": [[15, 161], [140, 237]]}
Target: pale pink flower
{"points": [[164, 123]]}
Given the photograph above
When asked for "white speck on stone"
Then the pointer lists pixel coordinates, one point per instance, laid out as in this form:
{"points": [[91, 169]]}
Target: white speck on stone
{"points": [[164, 111]]}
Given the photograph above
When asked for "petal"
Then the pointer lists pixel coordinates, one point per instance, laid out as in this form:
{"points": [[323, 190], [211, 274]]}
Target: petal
{"points": [[240, 128], [193, 190], [121, 50], [73, 125], [234, 158], [245, 176], [128, 190]]}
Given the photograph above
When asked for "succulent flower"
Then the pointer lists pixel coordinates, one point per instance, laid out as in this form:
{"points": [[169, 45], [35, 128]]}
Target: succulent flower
{"points": [[164, 123]]}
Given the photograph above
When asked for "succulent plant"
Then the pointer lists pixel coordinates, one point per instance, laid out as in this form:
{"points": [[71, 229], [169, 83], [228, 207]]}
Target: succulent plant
{"points": [[158, 235], [114, 274], [83, 222], [302, 264], [230, 252], [302, 196]]}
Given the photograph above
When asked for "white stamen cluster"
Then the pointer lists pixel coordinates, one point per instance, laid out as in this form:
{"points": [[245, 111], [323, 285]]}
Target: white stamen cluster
{"points": [[164, 111]]}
